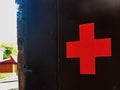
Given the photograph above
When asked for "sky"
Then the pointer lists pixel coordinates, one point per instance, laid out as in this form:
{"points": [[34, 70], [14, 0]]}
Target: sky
{"points": [[8, 30]]}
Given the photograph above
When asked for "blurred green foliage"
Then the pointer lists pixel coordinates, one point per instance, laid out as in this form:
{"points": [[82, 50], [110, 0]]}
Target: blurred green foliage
{"points": [[10, 49], [5, 75]]}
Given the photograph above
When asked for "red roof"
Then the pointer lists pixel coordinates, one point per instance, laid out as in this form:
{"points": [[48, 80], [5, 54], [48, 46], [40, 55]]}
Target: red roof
{"points": [[10, 61]]}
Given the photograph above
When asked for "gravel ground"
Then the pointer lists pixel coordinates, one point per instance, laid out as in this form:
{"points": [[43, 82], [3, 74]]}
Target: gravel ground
{"points": [[9, 86], [9, 83]]}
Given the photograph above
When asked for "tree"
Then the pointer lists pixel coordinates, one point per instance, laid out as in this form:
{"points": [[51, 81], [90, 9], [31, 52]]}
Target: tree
{"points": [[10, 49]]}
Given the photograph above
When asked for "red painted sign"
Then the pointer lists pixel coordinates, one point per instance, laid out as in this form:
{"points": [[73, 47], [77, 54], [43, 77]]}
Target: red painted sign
{"points": [[88, 48]]}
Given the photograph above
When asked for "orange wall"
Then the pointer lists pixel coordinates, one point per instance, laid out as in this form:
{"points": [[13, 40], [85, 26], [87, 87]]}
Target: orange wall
{"points": [[6, 68]]}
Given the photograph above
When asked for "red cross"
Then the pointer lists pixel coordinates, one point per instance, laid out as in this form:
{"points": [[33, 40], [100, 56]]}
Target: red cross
{"points": [[88, 48]]}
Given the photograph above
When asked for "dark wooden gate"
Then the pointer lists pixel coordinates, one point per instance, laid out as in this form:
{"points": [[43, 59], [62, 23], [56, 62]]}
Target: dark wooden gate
{"points": [[50, 64]]}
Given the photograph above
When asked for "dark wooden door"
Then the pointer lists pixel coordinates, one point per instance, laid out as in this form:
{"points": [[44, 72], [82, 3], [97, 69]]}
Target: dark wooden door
{"points": [[40, 45], [105, 15], [52, 64]]}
